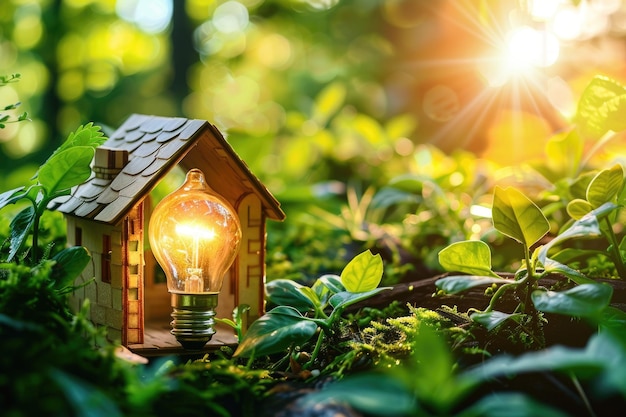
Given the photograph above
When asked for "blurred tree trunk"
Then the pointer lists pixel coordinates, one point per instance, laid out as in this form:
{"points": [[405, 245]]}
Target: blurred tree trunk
{"points": [[183, 53], [50, 106]]}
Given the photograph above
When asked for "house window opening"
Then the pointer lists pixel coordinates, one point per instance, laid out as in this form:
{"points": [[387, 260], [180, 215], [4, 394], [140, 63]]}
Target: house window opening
{"points": [[105, 259]]}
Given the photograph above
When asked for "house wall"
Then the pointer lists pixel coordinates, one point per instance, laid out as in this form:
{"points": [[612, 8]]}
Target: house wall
{"points": [[250, 264], [115, 300]]}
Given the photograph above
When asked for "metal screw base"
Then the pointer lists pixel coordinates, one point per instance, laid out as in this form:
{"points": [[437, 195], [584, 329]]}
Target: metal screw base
{"points": [[193, 319]]}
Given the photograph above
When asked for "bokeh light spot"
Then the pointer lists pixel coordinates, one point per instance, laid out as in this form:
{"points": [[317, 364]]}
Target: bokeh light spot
{"points": [[151, 16], [230, 17]]}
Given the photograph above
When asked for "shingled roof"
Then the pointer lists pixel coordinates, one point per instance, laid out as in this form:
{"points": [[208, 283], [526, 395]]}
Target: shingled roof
{"points": [[155, 145]]}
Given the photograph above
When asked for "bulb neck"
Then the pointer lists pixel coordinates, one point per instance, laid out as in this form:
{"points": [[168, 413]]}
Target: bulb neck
{"points": [[193, 319]]}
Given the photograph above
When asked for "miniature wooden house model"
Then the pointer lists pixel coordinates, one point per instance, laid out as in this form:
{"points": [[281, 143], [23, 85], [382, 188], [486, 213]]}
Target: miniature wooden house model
{"points": [[108, 215]]}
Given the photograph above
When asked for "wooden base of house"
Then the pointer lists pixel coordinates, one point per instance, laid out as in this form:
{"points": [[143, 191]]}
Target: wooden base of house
{"points": [[158, 341]]}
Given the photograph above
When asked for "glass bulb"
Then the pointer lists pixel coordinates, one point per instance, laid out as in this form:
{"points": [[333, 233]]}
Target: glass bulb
{"points": [[195, 236]]}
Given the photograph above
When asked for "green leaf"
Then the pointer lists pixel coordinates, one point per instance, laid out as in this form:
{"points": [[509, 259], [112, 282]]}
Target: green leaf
{"points": [[470, 257], [328, 102], [432, 376], [605, 186], [409, 183], [311, 295], [368, 128], [586, 300], [285, 292], [346, 298], [459, 283], [275, 331], [363, 272], [375, 393], [86, 135], [578, 208], [11, 196], [578, 188], [326, 286], [66, 169], [20, 227], [516, 216], [552, 359], [613, 319], [553, 267], [493, 319], [564, 152], [85, 398], [601, 107], [586, 227], [510, 404], [69, 264]]}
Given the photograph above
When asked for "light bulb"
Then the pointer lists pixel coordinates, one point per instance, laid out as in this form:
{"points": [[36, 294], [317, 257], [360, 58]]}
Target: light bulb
{"points": [[194, 235]]}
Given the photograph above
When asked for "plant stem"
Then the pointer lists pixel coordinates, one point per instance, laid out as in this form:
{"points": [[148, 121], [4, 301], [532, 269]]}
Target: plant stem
{"points": [[582, 394], [34, 250], [316, 350], [501, 291], [615, 253]]}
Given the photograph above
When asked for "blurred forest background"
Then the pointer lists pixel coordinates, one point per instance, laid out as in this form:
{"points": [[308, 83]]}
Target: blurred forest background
{"points": [[319, 97]]}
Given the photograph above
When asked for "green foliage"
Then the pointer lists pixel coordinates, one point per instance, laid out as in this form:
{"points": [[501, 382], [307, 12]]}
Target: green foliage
{"points": [[7, 118], [301, 311], [601, 107], [517, 217], [67, 167]]}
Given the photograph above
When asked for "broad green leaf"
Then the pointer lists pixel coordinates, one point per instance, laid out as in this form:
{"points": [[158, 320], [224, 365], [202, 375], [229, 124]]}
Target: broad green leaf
{"points": [[493, 319], [400, 126], [409, 183], [326, 286], [84, 398], [553, 267], [311, 295], [508, 404], [375, 393], [275, 331], [346, 298], [470, 257], [69, 264], [388, 197], [605, 186], [516, 216], [369, 129], [285, 292], [11, 196], [586, 300], [433, 377], [613, 319], [363, 272], [328, 102], [331, 282], [601, 107], [586, 227], [85, 135], [578, 208], [564, 152], [552, 359], [459, 283], [578, 188], [20, 227], [66, 169]]}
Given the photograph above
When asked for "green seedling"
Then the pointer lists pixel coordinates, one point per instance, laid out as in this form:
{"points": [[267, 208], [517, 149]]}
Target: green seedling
{"points": [[303, 311], [517, 217]]}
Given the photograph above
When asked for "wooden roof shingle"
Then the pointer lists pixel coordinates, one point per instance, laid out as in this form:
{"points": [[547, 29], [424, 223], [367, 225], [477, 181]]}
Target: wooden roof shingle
{"points": [[155, 145]]}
